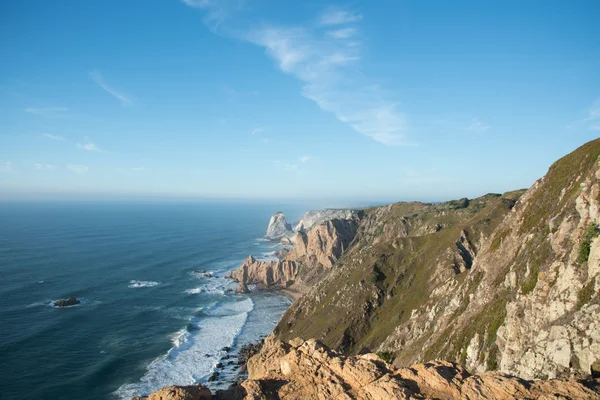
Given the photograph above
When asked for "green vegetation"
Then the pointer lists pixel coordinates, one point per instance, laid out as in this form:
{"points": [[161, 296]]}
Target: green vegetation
{"points": [[497, 240], [584, 249], [386, 356], [531, 281], [585, 294], [559, 183]]}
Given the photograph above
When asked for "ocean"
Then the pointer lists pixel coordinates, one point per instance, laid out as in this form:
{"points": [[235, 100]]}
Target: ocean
{"points": [[146, 318]]}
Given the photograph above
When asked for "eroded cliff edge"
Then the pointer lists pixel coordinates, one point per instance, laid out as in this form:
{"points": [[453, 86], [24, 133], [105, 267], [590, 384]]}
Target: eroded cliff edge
{"points": [[314, 253], [309, 370], [504, 282]]}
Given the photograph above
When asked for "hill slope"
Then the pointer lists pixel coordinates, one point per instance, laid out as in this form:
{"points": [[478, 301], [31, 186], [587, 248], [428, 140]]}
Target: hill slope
{"points": [[503, 282]]}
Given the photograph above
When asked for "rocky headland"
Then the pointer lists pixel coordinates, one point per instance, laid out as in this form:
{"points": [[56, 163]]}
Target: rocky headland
{"points": [[503, 288]]}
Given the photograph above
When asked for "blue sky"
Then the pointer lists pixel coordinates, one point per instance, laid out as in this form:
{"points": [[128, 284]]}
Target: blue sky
{"points": [[366, 100]]}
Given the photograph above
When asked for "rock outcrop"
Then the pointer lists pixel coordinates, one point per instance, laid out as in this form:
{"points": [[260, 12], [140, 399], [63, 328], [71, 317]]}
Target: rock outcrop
{"points": [[503, 282], [313, 255], [193, 392], [279, 227], [309, 370], [71, 301], [266, 274], [312, 218]]}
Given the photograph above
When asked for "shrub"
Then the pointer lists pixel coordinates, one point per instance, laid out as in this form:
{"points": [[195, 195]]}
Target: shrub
{"points": [[386, 356], [584, 249]]}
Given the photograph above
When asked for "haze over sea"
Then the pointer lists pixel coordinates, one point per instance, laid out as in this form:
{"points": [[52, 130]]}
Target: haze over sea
{"points": [[146, 319]]}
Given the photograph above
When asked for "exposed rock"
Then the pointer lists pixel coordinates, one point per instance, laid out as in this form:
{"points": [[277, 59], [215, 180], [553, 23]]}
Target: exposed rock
{"points": [[312, 218], [325, 243], [314, 252], [242, 288], [71, 301], [502, 282], [309, 370], [193, 392], [266, 274], [279, 227]]}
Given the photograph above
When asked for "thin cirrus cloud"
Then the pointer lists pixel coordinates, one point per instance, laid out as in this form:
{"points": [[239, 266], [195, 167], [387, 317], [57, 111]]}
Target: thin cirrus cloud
{"points": [[47, 167], [99, 80], [324, 54], [53, 137], [477, 126], [5, 166], [304, 159], [257, 130], [593, 117], [79, 169], [88, 145], [338, 16]]}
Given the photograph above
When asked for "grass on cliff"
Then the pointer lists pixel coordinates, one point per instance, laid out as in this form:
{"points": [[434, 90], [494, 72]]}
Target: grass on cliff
{"points": [[591, 232]]}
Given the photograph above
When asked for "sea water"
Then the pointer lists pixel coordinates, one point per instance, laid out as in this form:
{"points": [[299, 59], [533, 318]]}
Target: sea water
{"points": [[146, 318]]}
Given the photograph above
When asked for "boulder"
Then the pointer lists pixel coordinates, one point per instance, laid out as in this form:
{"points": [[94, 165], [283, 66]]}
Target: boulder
{"points": [[71, 301]]}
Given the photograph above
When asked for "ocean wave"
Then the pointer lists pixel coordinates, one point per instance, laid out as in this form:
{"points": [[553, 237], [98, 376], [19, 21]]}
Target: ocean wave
{"points": [[195, 352], [140, 284]]}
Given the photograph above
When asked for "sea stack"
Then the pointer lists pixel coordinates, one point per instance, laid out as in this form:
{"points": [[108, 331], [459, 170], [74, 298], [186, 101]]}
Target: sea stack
{"points": [[279, 227]]}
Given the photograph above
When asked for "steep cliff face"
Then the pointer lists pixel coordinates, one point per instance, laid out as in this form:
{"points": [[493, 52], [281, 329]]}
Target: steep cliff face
{"points": [[278, 227], [311, 258], [504, 283]]}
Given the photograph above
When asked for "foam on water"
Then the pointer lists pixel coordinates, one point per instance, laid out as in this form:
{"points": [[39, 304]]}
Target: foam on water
{"points": [[141, 284], [195, 353]]}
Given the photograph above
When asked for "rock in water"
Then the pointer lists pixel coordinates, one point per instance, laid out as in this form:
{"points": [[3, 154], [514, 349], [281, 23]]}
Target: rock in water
{"points": [[71, 301], [279, 227]]}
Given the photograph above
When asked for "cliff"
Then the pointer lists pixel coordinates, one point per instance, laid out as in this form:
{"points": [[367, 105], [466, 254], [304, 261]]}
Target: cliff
{"points": [[312, 218], [312, 257], [503, 282], [309, 370]]}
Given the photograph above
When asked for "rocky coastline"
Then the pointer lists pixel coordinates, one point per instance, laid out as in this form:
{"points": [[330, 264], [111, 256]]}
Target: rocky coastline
{"points": [[502, 292]]}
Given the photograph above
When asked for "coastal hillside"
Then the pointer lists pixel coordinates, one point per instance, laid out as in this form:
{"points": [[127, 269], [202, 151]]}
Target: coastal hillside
{"points": [[502, 282]]}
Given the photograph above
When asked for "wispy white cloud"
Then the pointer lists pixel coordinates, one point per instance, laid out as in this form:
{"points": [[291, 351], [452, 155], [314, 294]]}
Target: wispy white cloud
{"points": [[476, 125], [53, 137], [139, 169], [338, 16], [88, 145], [593, 117], [80, 169], [304, 159], [47, 111], [343, 33], [257, 130], [327, 61], [5, 166], [47, 167], [99, 80], [285, 166]]}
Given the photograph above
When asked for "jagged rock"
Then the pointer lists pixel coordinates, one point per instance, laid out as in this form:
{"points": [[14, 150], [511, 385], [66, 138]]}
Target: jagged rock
{"points": [[193, 392], [267, 274], [278, 227], [310, 370], [312, 218], [242, 288], [521, 296], [315, 250], [71, 301]]}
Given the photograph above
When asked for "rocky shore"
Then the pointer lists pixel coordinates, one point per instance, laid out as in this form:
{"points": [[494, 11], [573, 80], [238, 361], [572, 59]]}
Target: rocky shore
{"points": [[309, 370], [502, 292]]}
